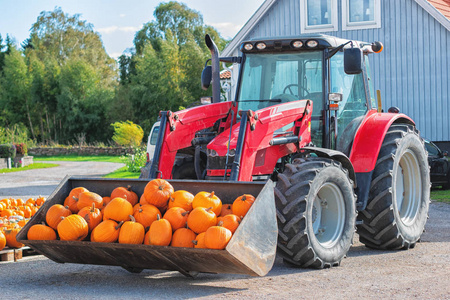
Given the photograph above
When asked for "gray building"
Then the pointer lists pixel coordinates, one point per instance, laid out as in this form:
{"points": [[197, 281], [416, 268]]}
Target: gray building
{"points": [[413, 70]]}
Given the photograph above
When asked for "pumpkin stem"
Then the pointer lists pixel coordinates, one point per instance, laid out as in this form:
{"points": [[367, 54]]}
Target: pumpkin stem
{"points": [[243, 198], [140, 209], [158, 217], [119, 225], [220, 223], [129, 188], [132, 218], [195, 242], [184, 213], [208, 209], [211, 195], [93, 207], [75, 198]]}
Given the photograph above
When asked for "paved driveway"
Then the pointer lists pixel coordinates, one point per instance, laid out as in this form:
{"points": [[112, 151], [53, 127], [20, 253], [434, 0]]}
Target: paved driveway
{"points": [[32, 183]]}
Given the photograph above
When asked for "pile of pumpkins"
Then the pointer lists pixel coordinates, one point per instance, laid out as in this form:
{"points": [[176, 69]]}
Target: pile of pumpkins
{"points": [[14, 214], [161, 216]]}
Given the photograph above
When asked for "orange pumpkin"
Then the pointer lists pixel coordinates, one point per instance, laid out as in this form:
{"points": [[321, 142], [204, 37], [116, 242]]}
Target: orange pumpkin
{"points": [[217, 237], [54, 214], [183, 237], [106, 232], [92, 215], [89, 198], [199, 241], [73, 197], [146, 215], [226, 210], [40, 201], [177, 217], [73, 228], [158, 192], [242, 204], [230, 221], [200, 219], [2, 240], [205, 199], [131, 232], [41, 232], [181, 199], [125, 193], [10, 235], [118, 209], [160, 232]]}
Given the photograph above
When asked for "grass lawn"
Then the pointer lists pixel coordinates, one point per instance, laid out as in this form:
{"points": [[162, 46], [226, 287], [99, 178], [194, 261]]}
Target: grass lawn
{"points": [[440, 195], [100, 158], [29, 167], [122, 173]]}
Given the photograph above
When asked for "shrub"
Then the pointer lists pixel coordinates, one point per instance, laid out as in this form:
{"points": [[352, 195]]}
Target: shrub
{"points": [[21, 149], [7, 150], [134, 162], [127, 134]]}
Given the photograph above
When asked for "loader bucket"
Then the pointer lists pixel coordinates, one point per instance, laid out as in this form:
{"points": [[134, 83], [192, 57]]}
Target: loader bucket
{"points": [[250, 251]]}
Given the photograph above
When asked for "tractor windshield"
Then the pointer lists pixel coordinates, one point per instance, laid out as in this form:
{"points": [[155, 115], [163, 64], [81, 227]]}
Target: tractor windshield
{"points": [[273, 78]]}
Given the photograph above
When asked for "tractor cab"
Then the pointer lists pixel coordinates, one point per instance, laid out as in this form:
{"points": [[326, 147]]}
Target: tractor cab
{"points": [[314, 68]]}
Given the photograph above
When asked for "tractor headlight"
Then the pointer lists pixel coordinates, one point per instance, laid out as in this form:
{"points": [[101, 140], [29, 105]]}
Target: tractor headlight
{"points": [[211, 152], [248, 47], [297, 44], [261, 46], [312, 43]]}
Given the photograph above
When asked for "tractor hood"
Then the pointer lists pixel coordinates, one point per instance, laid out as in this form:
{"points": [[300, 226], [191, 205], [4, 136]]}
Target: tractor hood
{"points": [[219, 146]]}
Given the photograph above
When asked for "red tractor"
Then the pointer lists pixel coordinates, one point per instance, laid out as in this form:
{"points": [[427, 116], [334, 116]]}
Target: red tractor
{"points": [[305, 117]]}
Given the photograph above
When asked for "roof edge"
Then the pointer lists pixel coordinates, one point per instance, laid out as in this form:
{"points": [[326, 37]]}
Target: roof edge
{"points": [[435, 13], [255, 18]]}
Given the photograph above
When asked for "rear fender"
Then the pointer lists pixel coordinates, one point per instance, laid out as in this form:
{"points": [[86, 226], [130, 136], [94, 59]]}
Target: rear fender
{"points": [[369, 138]]}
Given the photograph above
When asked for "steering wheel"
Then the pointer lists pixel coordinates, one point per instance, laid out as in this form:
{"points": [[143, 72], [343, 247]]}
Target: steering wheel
{"points": [[289, 86]]}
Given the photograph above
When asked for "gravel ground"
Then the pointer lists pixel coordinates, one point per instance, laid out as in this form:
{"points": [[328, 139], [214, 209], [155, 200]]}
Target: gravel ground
{"points": [[420, 273]]}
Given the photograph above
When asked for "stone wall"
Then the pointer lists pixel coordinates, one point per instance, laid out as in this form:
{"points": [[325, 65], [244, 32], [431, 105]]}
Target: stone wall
{"points": [[3, 163], [23, 161], [50, 151]]}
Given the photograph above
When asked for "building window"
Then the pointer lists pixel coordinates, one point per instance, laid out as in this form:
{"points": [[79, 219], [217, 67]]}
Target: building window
{"points": [[361, 14], [318, 15]]}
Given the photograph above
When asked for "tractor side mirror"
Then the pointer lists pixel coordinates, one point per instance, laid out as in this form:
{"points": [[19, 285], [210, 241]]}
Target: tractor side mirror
{"points": [[353, 61], [206, 77]]}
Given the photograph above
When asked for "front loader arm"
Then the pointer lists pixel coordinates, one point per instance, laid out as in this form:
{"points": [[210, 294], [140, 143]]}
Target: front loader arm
{"points": [[257, 132], [178, 129]]}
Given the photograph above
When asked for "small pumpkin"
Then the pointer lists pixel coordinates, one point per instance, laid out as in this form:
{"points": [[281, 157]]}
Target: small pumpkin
{"points": [[73, 197], [160, 232], [131, 232], [230, 221], [2, 240], [217, 237], [92, 215], [205, 199], [41, 232], [226, 210], [200, 219], [177, 217], [125, 193], [158, 192], [89, 198], [183, 237], [118, 209], [146, 215], [181, 198], [73, 228], [199, 241], [54, 214], [11, 240], [106, 232], [242, 204]]}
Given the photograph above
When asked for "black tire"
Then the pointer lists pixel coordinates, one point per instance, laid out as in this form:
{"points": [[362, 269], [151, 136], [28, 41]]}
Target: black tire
{"points": [[298, 194], [390, 222]]}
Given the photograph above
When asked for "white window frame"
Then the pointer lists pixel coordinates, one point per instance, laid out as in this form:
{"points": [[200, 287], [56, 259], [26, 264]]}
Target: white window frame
{"points": [[305, 28], [347, 25]]}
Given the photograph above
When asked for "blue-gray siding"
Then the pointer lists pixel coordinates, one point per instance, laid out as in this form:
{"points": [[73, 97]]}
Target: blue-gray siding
{"points": [[412, 72]]}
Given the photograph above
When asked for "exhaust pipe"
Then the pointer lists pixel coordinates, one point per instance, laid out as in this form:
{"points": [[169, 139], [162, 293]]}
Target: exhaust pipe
{"points": [[215, 64]]}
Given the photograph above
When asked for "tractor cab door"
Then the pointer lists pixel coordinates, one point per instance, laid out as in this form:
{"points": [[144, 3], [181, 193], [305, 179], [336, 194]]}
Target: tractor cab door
{"points": [[354, 104]]}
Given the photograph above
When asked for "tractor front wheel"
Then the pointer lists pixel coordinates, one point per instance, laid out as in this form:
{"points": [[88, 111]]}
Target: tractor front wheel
{"points": [[316, 213], [399, 197]]}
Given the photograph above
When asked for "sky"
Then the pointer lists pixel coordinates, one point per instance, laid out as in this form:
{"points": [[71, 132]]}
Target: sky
{"points": [[118, 21]]}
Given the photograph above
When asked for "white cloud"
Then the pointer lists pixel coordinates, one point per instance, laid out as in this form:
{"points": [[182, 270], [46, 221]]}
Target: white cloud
{"points": [[115, 55], [122, 15], [113, 29], [227, 29]]}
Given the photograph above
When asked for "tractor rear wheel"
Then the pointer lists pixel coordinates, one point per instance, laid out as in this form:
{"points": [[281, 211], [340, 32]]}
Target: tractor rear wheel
{"points": [[316, 211], [399, 197]]}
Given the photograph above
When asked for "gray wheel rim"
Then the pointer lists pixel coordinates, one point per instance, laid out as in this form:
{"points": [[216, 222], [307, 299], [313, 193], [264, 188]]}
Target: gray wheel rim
{"points": [[328, 215], [408, 188]]}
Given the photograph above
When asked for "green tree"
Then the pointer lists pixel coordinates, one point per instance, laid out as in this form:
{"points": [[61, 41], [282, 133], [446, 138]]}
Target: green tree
{"points": [[127, 134]]}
